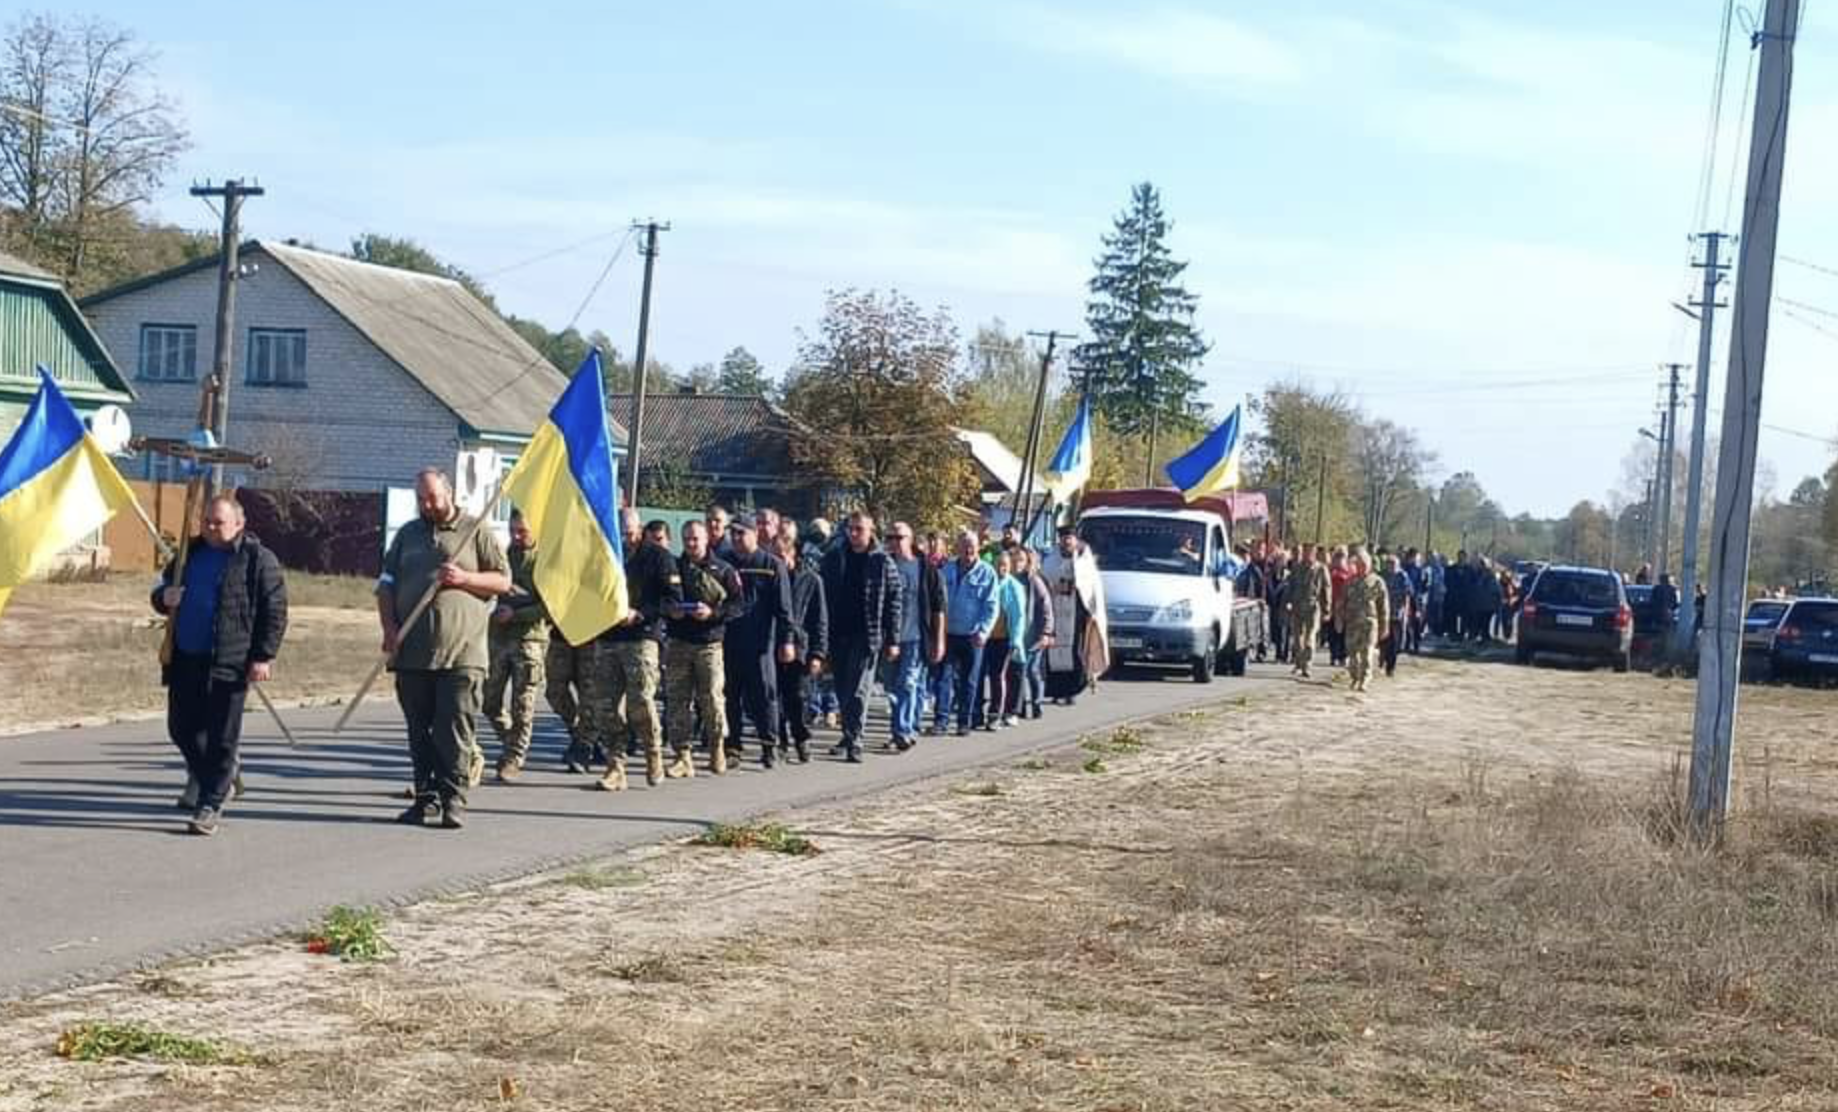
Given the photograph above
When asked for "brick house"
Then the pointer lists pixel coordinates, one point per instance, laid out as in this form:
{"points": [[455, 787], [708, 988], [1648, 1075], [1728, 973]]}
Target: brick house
{"points": [[351, 376]]}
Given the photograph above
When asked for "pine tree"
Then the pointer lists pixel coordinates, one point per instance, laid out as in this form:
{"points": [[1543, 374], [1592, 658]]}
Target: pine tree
{"points": [[1139, 363]]}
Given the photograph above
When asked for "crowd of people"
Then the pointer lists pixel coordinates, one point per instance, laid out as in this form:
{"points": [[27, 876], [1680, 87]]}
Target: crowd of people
{"points": [[748, 631]]}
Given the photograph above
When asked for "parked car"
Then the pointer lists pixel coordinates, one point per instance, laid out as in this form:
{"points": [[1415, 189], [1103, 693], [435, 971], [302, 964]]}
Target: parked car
{"points": [[1758, 626], [1806, 642], [1577, 612]]}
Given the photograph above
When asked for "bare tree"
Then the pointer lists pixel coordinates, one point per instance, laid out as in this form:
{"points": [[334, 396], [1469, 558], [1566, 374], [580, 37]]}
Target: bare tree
{"points": [[86, 135], [1391, 462]]}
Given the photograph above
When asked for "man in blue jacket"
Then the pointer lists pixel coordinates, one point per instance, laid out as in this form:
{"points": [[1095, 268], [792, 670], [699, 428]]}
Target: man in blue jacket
{"points": [[970, 613]]}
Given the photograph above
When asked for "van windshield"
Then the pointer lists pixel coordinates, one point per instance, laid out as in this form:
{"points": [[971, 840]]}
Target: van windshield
{"points": [[1151, 544]]}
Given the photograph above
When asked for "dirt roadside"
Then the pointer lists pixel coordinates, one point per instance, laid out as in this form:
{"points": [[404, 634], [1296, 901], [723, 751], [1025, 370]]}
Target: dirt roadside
{"points": [[1453, 892]]}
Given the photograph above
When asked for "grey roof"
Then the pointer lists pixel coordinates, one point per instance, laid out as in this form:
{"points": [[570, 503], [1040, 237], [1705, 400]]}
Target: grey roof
{"points": [[450, 341], [13, 264], [711, 434], [446, 339]]}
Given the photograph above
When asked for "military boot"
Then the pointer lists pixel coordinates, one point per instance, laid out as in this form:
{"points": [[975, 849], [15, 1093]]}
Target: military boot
{"points": [[682, 768], [654, 766], [614, 780], [718, 759]]}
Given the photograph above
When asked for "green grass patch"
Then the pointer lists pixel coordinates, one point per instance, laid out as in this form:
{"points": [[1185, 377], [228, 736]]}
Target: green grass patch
{"points": [[96, 1041], [654, 970], [1122, 741], [350, 934], [770, 836], [1034, 764], [1095, 765]]}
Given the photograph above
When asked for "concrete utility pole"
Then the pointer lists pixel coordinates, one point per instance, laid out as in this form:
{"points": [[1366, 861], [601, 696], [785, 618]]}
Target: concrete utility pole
{"points": [[1321, 497], [1668, 452], [1684, 632], [1720, 651], [1429, 522], [232, 192], [635, 434], [1024, 491]]}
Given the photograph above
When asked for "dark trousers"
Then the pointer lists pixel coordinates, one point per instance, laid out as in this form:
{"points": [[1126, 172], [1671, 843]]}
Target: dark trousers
{"points": [[995, 681], [204, 717], [440, 708], [1279, 633], [963, 667], [794, 702], [1388, 649], [852, 661], [751, 683]]}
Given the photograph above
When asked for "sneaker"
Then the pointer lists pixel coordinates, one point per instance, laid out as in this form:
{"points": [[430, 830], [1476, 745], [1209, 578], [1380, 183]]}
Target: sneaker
{"points": [[768, 756], [803, 750], [933, 731], [203, 822], [452, 815], [902, 744], [575, 760], [961, 731], [838, 749], [1008, 721], [853, 755]]}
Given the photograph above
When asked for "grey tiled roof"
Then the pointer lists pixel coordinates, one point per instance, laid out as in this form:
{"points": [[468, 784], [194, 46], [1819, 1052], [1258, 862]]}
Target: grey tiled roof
{"points": [[13, 264], [711, 434]]}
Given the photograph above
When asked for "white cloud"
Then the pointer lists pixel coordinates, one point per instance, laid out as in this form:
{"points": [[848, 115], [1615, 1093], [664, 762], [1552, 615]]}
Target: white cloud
{"points": [[1180, 44]]}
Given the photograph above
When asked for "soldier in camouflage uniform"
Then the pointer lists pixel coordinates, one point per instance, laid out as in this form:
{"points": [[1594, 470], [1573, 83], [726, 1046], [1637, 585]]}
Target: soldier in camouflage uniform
{"points": [[711, 595], [519, 637], [628, 653], [573, 690], [1306, 602], [1364, 615]]}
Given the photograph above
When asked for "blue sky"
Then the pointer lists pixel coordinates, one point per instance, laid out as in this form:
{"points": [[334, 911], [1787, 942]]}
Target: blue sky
{"points": [[1471, 216]]}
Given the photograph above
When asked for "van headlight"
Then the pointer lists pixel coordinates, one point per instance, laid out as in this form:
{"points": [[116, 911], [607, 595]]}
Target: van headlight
{"points": [[1175, 613]]}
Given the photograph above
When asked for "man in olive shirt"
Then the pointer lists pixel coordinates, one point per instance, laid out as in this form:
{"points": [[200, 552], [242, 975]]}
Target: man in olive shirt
{"points": [[518, 643], [440, 660]]}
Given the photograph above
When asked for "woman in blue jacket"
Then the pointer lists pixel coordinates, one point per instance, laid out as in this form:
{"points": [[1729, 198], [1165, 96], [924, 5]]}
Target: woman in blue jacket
{"points": [[1008, 637]]}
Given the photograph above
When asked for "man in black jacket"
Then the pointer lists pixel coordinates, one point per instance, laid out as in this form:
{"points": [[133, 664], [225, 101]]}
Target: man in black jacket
{"points": [[810, 634], [758, 640], [228, 617], [922, 633], [627, 654], [863, 591]]}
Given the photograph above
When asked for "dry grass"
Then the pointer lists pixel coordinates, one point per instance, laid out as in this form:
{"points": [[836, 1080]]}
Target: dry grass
{"points": [[1405, 902], [85, 651]]}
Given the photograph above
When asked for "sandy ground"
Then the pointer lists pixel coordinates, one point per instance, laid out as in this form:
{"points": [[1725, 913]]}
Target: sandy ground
{"points": [[1263, 904], [95, 646]]}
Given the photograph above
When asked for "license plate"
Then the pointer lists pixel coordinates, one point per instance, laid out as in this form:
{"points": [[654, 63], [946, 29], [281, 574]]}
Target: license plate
{"points": [[1822, 658], [1575, 620], [1126, 642]]}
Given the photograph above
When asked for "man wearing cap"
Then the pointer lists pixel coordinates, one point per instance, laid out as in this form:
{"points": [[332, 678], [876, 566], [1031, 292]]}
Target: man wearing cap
{"points": [[759, 638]]}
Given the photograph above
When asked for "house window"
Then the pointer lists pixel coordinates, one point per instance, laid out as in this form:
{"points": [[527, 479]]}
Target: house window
{"points": [[168, 352], [277, 357]]}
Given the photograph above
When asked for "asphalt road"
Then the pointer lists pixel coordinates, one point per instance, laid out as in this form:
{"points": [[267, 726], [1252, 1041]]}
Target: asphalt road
{"points": [[97, 875]]}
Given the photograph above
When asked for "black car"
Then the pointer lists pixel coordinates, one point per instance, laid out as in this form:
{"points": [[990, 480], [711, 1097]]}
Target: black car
{"points": [[1806, 641], [1577, 612]]}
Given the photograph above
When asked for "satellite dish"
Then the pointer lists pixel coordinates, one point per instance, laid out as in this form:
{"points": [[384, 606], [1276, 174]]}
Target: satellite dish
{"points": [[111, 428]]}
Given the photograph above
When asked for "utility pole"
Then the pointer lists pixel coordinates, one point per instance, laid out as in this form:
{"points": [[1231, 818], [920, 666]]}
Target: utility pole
{"points": [[1321, 497], [232, 192], [1024, 489], [636, 432], [1668, 452], [1429, 523], [1683, 632], [1719, 653]]}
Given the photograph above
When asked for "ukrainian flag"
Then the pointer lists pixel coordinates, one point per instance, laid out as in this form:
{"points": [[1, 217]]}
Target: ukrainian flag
{"points": [[1211, 465], [1070, 468], [564, 484], [57, 486]]}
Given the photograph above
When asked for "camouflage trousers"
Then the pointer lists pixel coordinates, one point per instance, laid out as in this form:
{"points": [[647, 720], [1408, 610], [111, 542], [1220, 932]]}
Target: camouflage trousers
{"points": [[1362, 655], [510, 695], [1304, 631], [695, 680], [629, 690], [572, 689]]}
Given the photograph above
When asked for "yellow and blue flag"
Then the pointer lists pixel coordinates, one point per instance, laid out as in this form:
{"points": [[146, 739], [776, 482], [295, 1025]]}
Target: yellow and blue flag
{"points": [[1070, 468], [565, 485], [57, 486], [1211, 465]]}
